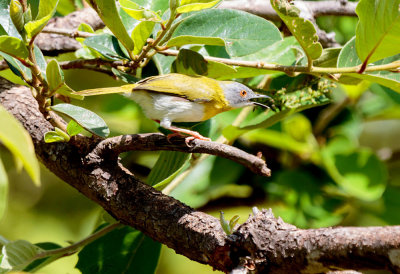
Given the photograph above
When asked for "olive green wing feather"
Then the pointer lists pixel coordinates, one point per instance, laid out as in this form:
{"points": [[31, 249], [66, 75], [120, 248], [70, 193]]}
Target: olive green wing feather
{"points": [[193, 88]]}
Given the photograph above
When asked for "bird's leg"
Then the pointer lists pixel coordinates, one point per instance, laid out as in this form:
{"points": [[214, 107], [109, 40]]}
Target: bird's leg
{"points": [[177, 131]]}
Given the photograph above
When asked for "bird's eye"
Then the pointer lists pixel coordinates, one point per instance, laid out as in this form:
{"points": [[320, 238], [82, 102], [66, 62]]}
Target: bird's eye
{"points": [[243, 93]]}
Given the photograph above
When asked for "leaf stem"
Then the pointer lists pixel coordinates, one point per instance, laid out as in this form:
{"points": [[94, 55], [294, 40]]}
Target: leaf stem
{"points": [[71, 249]]}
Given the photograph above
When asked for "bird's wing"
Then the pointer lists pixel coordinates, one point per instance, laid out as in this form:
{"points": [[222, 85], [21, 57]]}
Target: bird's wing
{"points": [[193, 88]]}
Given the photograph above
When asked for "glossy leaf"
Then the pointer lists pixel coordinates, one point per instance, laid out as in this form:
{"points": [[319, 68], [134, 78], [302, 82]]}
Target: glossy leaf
{"points": [[40, 263], [140, 33], [3, 189], [108, 12], [302, 29], [6, 25], [107, 45], [139, 13], [55, 76], [123, 250], [167, 167], [46, 11], [17, 14], [56, 136], [73, 128], [348, 58], [378, 29], [16, 66], [240, 32], [18, 254], [13, 46], [18, 141], [85, 118], [195, 5]]}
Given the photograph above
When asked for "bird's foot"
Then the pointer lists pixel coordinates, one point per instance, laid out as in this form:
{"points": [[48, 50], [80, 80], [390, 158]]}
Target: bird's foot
{"points": [[194, 135]]}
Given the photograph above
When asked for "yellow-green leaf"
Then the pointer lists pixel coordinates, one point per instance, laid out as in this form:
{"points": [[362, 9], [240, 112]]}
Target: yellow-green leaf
{"points": [[18, 141], [13, 46], [194, 5]]}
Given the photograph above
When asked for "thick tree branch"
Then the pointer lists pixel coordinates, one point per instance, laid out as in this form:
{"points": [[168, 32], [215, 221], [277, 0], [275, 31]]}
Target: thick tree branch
{"points": [[263, 8], [263, 243]]}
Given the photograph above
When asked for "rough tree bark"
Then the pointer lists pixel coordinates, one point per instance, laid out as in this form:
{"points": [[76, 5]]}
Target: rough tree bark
{"points": [[263, 243]]}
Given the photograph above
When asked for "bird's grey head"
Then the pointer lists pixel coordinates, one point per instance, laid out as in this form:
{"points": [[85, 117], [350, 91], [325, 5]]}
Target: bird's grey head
{"points": [[238, 95]]}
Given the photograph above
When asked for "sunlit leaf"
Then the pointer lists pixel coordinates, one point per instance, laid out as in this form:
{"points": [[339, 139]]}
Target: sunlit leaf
{"points": [[138, 12], [18, 141], [348, 58], [55, 76], [240, 32], [378, 30], [108, 12], [85, 118], [46, 11], [302, 29], [140, 33], [194, 5], [13, 46]]}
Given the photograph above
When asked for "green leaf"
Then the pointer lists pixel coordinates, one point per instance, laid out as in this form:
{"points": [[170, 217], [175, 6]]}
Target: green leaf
{"points": [[3, 190], [359, 173], [46, 11], [163, 63], [190, 62], [17, 15], [73, 128], [55, 137], [328, 58], [302, 29], [40, 263], [40, 60], [6, 25], [283, 52], [55, 75], [85, 118], [18, 254], [13, 46], [107, 45], [18, 141], [139, 13], [123, 250], [167, 167], [348, 58], [126, 77], [378, 30], [194, 5], [240, 32], [140, 33], [69, 92], [16, 66], [108, 12]]}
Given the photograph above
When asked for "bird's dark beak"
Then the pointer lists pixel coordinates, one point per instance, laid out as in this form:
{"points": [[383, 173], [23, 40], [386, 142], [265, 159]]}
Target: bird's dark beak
{"points": [[259, 96]]}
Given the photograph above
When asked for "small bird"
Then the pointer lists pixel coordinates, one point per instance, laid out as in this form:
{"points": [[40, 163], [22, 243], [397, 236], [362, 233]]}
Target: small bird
{"points": [[176, 97]]}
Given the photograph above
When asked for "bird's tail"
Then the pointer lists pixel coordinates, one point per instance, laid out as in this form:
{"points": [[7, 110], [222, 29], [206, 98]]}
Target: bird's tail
{"points": [[110, 90]]}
